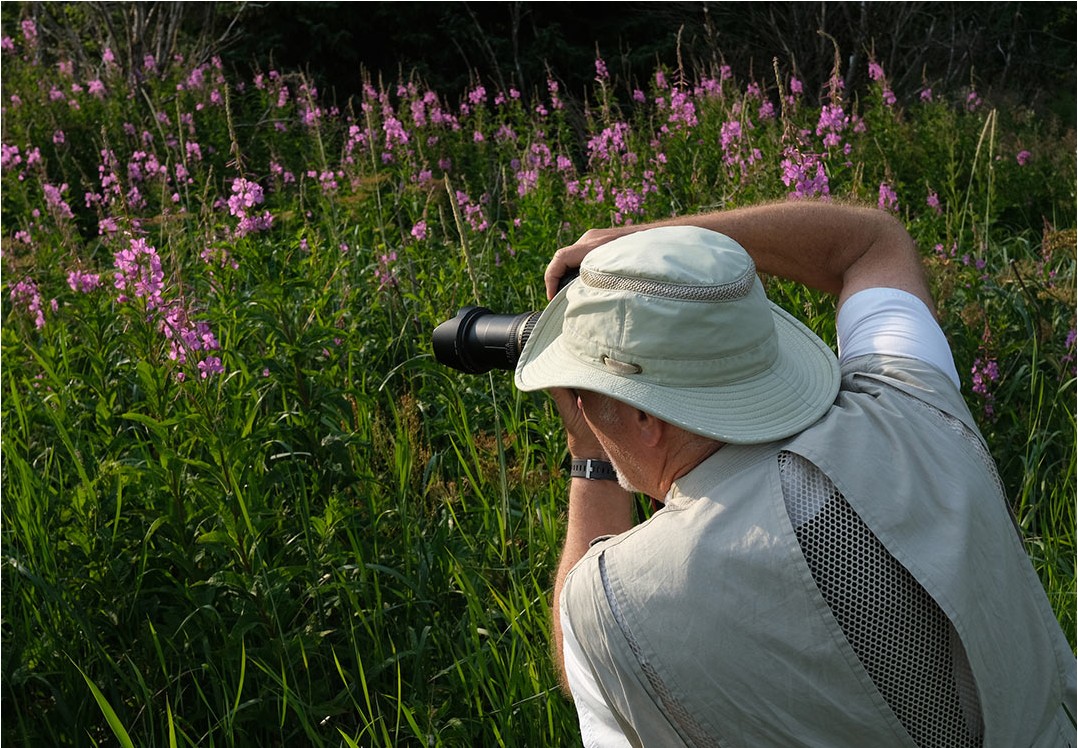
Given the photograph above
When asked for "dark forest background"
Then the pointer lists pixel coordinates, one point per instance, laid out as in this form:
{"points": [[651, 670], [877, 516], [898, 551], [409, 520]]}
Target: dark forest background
{"points": [[1016, 53]]}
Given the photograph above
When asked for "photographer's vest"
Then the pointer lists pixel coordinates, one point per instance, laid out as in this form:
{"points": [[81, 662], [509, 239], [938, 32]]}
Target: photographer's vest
{"points": [[860, 584]]}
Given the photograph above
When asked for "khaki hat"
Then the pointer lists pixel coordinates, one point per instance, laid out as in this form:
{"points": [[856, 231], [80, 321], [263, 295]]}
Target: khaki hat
{"points": [[675, 322]]}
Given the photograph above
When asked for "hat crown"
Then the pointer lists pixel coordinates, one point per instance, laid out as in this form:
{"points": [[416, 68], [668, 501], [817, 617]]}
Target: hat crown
{"points": [[673, 261], [678, 306]]}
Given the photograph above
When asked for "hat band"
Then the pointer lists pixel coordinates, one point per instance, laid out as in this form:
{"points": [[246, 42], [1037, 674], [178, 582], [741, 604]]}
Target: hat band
{"points": [[738, 288], [702, 371]]}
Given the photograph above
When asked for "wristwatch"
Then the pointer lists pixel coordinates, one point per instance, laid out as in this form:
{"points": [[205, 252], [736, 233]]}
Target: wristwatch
{"points": [[592, 470]]}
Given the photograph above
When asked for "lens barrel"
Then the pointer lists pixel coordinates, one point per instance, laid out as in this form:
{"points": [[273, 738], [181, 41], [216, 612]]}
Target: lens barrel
{"points": [[478, 340]]}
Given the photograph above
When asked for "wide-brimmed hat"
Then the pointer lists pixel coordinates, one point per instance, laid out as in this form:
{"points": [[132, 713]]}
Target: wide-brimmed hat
{"points": [[674, 321]]}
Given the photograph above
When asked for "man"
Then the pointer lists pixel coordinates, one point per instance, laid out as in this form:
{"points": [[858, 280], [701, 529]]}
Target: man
{"points": [[835, 563]]}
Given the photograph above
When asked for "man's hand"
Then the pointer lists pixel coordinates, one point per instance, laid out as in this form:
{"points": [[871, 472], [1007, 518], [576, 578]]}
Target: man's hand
{"points": [[582, 441], [570, 257]]}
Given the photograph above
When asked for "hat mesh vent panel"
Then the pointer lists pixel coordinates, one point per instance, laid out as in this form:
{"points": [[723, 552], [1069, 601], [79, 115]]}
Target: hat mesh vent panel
{"points": [[735, 289]]}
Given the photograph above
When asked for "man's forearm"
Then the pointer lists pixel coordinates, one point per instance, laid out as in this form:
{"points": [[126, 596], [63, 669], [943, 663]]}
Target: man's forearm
{"points": [[840, 249], [596, 508]]}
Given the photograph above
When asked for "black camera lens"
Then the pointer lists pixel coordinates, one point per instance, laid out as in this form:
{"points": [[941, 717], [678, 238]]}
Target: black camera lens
{"points": [[478, 340]]}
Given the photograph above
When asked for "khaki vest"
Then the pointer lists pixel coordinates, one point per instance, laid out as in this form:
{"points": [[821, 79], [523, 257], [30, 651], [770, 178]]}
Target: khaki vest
{"points": [[704, 626]]}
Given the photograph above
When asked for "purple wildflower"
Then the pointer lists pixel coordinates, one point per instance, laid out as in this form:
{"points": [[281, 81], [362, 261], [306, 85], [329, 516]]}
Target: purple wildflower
{"points": [[1023, 157], [805, 172], [888, 198], [384, 273], [54, 199], [29, 33], [83, 282], [985, 372], [138, 272], [601, 73], [25, 292]]}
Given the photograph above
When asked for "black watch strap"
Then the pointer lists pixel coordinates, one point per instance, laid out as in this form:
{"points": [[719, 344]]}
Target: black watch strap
{"points": [[592, 470]]}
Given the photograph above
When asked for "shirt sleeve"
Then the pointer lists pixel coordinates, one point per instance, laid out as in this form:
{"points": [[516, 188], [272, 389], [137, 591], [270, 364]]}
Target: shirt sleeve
{"points": [[598, 726], [895, 323]]}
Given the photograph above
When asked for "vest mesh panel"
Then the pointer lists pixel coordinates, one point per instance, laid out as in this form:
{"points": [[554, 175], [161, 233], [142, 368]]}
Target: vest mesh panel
{"points": [[904, 641]]}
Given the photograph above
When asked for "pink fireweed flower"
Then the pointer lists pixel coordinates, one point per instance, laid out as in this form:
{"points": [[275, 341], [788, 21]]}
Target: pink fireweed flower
{"points": [[527, 180], [9, 156], [473, 213], [185, 335], [25, 292], [832, 122], [55, 201], [245, 195], [107, 226], [83, 282], [218, 256], [139, 273], [985, 372], [477, 95], [682, 111], [1068, 346], [888, 198], [29, 33], [609, 143], [1023, 157], [729, 137], [419, 230], [875, 70], [384, 273], [254, 224], [889, 98], [7, 44], [209, 366], [601, 74], [926, 94], [96, 88], [933, 201], [555, 100], [805, 172]]}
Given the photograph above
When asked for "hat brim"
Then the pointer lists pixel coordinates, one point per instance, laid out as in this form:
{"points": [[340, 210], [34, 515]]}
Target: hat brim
{"points": [[784, 399]]}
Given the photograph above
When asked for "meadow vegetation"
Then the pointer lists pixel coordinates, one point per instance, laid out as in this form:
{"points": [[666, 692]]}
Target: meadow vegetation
{"points": [[243, 505]]}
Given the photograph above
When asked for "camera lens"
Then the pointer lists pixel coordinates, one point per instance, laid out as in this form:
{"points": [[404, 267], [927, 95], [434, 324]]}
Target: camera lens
{"points": [[478, 340]]}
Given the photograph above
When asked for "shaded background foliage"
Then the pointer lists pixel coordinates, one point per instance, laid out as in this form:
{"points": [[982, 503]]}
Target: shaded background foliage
{"points": [[1020, 52]]}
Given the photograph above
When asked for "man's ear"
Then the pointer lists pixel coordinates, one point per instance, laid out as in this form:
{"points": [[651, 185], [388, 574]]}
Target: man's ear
{"points": [[650, 429]]}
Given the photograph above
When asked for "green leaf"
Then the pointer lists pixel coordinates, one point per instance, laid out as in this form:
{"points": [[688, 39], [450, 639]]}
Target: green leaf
{"points": [[106, 709]]}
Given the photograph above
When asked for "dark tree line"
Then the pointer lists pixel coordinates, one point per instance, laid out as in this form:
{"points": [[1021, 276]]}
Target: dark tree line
{"points": [[1021, 52]]}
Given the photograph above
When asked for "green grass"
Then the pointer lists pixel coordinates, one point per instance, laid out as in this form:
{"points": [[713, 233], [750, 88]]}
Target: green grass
{"points": [[334, 540]]}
